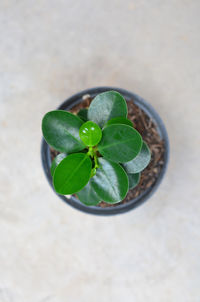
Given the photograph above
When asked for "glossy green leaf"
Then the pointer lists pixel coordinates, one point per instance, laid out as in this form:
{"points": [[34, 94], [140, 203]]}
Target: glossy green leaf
{"points": [[61, 131], [106, 106], [140, 162], [83, 114], [133, 180], [110, 182], [120, 143], [56, 161], [90, 133], [88, 195], [72, 173], [119, 120]]}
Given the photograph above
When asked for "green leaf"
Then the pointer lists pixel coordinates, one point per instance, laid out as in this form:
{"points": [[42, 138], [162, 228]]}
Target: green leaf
{"points": [[106, 106], [72, 173], [119, 120], [120, 143], [56, 161], [90, 133], [110, 182], [133, 180], [140, 162], [61, 131], [88, 196], [83, 114]]}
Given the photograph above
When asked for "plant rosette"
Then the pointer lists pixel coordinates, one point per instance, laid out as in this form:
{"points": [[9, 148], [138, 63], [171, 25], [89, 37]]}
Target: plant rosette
{"points": [[101, 154], [101, 158]]}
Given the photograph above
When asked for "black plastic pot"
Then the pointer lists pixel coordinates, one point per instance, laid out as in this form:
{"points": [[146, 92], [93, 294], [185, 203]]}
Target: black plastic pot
{"points": [[118, 209]]}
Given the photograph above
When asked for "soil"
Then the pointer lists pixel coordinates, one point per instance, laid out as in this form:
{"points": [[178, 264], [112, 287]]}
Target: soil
{"points": [[146, 127]]}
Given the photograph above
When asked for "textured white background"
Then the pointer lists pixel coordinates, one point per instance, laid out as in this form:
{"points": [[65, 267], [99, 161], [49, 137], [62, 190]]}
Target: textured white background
{"points": [[50, 252]]}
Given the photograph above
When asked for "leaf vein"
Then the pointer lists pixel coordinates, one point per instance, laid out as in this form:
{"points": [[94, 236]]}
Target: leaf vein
{"points": [[117, 143], [74, 172], [111, 184]]}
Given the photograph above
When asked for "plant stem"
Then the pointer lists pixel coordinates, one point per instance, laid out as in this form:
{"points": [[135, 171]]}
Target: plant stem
{"points": [[92, 152], [96, 161]]}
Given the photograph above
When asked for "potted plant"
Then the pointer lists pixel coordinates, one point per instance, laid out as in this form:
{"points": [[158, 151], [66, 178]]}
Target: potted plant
{"points": [[97, 153]]}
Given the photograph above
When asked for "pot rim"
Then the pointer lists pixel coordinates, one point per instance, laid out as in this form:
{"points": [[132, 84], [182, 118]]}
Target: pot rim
{"points": [[134, 203]]}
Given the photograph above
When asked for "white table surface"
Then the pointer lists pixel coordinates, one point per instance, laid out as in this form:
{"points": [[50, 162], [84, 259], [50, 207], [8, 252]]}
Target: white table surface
{"points": [[50, 252]]}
